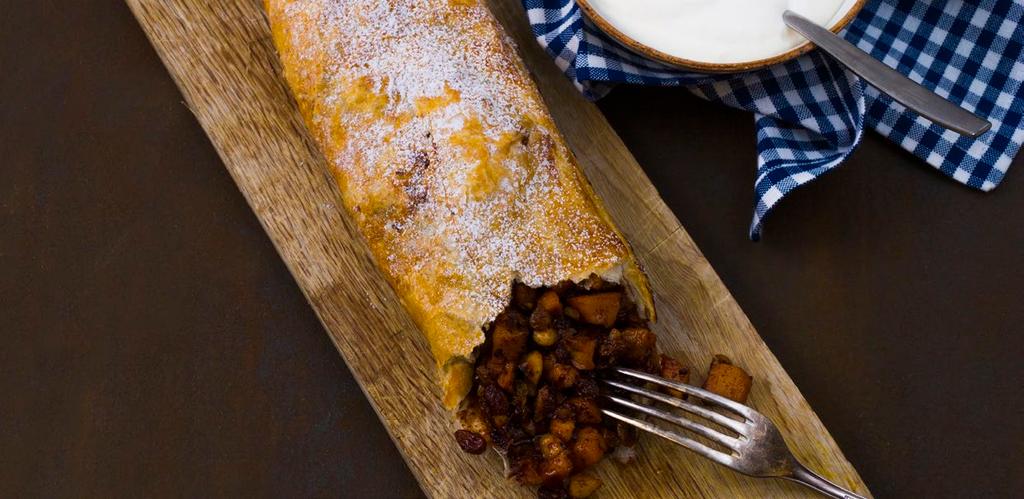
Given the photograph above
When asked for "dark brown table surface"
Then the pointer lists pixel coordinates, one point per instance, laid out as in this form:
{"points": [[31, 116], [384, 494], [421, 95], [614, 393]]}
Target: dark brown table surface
{"points": [[155, 345]]}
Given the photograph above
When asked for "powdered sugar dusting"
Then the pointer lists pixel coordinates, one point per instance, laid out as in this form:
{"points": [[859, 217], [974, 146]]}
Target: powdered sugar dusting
{"points": [[445, 156]]}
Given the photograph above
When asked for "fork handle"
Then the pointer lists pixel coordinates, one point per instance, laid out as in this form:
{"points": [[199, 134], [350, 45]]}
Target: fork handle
{"points": [[811, 479]]}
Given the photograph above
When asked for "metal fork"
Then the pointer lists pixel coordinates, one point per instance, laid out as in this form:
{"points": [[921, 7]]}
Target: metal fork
{"points": [[758, 450]]}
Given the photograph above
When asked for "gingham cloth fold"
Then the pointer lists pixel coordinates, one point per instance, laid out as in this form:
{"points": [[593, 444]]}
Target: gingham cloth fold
{"points": [[810, 112]]}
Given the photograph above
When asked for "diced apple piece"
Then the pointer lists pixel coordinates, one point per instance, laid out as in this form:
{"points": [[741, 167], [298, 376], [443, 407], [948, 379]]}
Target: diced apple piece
{"points": [[509, 336], [586, 410], [727, 380], [600, 309], [581, 349], [639, 343]]}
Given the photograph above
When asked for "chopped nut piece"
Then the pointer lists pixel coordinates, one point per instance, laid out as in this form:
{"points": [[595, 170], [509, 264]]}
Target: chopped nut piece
{"points": [[557, 464], [532, 366], [728, 380], [507, 376], [545, 337], [582, 485], [550, 446], [562, 428], [549, 306], [600, 309], [562, 376], [588, 448]]}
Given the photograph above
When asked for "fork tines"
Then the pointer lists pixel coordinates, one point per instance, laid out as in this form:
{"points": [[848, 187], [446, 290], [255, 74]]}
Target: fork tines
{"points": [[757, 448], [730, 442]]}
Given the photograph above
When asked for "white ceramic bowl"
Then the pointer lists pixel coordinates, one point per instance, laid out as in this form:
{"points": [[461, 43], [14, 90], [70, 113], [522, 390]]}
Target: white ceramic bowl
{"points": [[845, 15]]}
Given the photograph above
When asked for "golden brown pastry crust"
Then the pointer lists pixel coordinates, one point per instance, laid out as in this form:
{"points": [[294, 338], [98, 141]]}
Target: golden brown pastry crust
{"points": [[447, 160]]}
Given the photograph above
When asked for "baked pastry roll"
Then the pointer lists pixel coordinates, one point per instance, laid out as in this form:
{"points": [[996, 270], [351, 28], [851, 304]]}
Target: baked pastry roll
{"points": [[448, 162]]}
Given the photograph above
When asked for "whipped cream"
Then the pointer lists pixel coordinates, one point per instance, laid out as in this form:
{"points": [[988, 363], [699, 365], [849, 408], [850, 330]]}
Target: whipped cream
{"points": [[717, 31]]}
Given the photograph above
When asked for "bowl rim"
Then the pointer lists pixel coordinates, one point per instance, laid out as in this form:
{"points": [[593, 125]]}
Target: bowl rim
{"points": [[710, 67]]}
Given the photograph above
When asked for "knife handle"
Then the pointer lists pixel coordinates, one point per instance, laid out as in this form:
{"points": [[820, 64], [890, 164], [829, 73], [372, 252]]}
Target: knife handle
{"points": [[888, 81]]}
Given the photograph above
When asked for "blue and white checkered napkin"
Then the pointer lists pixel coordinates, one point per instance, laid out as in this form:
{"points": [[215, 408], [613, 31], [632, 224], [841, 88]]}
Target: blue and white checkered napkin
{"points": [[810, 112]]}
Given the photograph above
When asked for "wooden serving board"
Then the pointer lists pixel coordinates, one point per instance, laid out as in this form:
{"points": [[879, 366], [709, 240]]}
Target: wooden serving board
{"points": [[220, 54]]}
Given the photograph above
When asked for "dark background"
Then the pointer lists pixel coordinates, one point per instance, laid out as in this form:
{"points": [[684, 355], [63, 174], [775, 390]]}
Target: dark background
{"points": [[155, 345]]}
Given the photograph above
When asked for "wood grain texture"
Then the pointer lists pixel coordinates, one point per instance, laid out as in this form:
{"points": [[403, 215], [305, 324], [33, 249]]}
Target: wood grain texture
{"points": [[220, 54]]}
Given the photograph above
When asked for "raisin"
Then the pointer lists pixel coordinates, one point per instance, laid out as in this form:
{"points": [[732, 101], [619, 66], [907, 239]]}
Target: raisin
{"points": [[471, 443], [546, 402], [494, 400], [562, 353]]}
